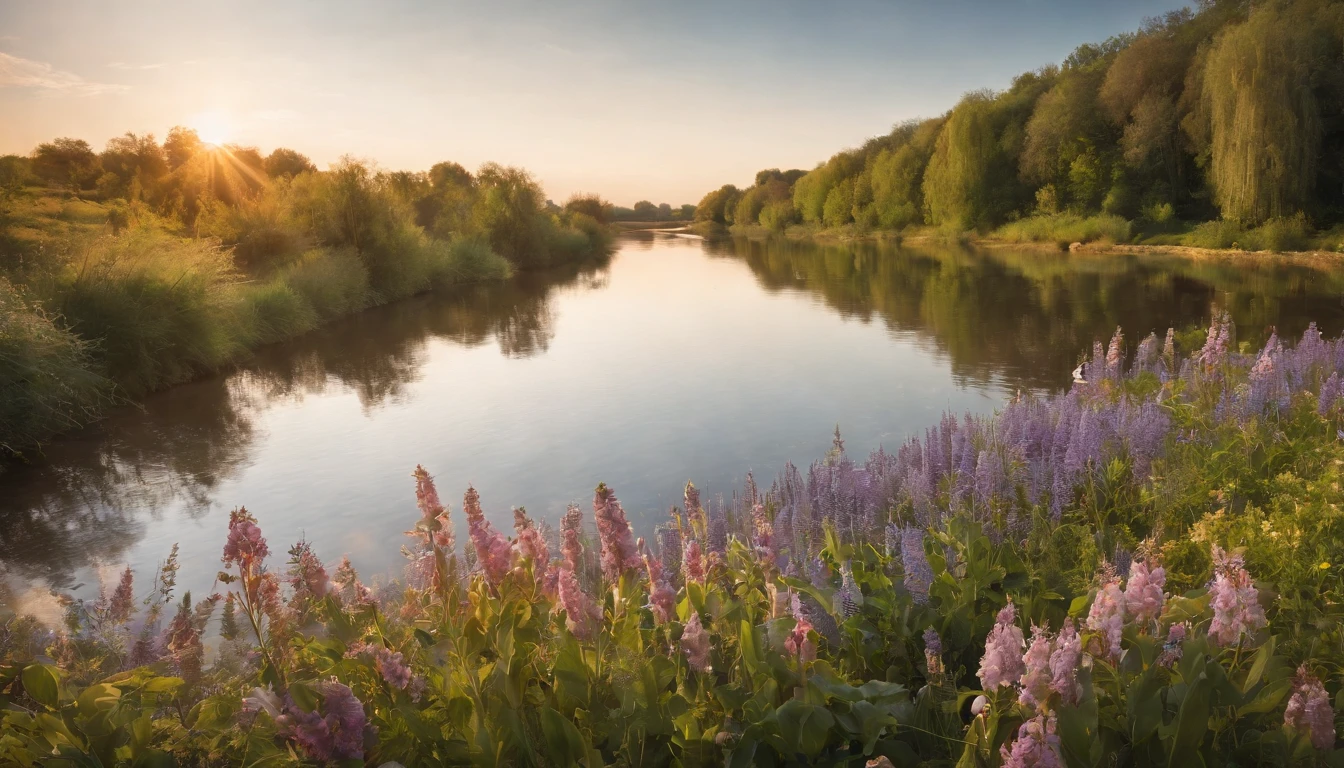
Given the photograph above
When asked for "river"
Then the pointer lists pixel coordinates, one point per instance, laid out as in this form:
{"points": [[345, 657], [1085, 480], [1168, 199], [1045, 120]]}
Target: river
{"points": [[675, 360]]}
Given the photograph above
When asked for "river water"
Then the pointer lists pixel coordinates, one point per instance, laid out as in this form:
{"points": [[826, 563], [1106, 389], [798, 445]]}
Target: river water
{"points": [[675, 359]]}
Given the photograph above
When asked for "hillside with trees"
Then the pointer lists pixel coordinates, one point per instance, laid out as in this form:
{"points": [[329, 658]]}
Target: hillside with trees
{"points": [[1217, 126]]}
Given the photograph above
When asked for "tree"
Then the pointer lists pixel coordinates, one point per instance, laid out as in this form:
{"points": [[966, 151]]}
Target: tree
{"points": [[838, 208], [1264, 119], [588, 205], [506, 211], [181, 146], [449, 174], [718, 206], [287, 163], [65, 161], [646, 211]]}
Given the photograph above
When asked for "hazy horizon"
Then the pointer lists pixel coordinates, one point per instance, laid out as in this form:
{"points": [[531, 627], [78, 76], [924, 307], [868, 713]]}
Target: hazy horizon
{"points": [[631, 101]]}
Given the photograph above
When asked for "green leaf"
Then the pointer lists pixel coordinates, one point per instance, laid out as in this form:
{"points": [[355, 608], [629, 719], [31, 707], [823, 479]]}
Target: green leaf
{"points": [[564, 744], [158, 684], [305, 696], [41, 683], [1258, 664], [1192, 722], [804, 726]]}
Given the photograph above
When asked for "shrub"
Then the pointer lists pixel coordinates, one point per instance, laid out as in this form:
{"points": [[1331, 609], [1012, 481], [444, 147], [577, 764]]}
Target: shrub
{"points": [[275, 311], [1066, 228], [333, 282]]}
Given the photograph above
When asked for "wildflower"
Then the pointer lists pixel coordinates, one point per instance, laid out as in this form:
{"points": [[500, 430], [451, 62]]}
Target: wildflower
{"points": [[493, 551], [1143, 593], [307, 578], [335, 731], [1172, 649], [1330, 392], [582, 616], [434, 519], [123, 598], [571, 546], [1309, 710], [529, 544], [1115, 354], [1064, 660], [245, 546], [918, 574], [662, 597], [389, 663], [692, 564], [691, 500], [1235, 601], [799, 643], [933, 652], [1002, 663], [695, 643], [184, 644], [1036, 678], [1037, 745], [618, 551], [1107, 617], [849, 598]]}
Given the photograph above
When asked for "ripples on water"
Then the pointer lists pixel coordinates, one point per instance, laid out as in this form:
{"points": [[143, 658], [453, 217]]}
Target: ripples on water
{"points": [[675, 360]]}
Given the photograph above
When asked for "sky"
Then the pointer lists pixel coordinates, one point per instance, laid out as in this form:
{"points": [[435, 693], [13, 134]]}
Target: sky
{"points": [[629, 99]]}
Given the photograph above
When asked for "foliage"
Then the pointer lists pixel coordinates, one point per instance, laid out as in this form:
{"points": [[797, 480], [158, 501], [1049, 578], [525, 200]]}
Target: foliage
{"points": [[1223, 111], [940, 604], [1065, 229]]}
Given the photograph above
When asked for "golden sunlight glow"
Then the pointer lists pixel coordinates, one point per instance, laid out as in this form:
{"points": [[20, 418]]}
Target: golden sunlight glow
{"points": [[213, 127]]}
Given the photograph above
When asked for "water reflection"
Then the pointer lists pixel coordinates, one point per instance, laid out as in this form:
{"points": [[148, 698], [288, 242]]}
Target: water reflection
{"points": [[675, 366], [1027, 316], [91, 495]]}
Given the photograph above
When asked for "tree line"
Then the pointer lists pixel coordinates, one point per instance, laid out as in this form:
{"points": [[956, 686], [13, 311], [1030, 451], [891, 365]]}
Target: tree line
{"points": [[1232, 110]]}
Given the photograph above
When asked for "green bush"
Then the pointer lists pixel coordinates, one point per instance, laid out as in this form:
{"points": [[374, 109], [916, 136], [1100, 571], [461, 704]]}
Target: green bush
{"points": [[1066, 228], [333, 282], [274, 311]]}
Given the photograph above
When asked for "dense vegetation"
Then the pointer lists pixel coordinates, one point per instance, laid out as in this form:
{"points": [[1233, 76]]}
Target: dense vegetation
{"points": [[146, 264], [1221, 127], [940, 604]]}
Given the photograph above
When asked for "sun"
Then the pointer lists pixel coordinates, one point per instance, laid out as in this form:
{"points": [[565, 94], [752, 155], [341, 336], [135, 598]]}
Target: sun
{"points": [[213, 127]]}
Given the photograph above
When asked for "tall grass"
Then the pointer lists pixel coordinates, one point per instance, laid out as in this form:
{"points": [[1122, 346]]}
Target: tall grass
{"points": [[157, 307], [46, 383], [1066, 228]]}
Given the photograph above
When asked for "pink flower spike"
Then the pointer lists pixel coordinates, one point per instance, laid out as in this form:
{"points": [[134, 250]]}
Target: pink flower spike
{"points": [[1002, 664]]}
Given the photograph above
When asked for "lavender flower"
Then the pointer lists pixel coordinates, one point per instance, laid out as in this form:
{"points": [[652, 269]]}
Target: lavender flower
{"points": [[1107, 617], [1309, 710], [333, 732], [389, 663], [1173, 648], [933, 652], [307, 578], [529, 545], [1036, 746], [918, 575], [1002, 664], [692, 565], [1329, 394], [571, 546], [434, 519]]}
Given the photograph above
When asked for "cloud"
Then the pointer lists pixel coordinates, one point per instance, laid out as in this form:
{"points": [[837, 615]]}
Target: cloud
{"points": [[25, 73], [124, 65]]}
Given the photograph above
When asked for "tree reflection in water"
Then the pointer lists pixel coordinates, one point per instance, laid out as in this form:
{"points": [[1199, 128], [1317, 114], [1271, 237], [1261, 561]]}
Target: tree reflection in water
{"points": [[91, 495]]}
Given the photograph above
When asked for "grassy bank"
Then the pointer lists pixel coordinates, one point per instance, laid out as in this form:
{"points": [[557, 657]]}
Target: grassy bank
{"points": [[1143, 570], [107, 300]]}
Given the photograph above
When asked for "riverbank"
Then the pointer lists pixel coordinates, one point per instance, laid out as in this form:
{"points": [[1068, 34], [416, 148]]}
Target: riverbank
{"points": [[1169, 245], [102, 303]]}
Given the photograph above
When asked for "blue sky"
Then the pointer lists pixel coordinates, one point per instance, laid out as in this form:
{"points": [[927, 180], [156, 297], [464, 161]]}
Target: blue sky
{"points": [[628, 99]]}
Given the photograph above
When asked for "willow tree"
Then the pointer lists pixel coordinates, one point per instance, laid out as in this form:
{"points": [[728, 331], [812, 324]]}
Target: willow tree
{"points": [[1264, 120], [971, 180]]}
